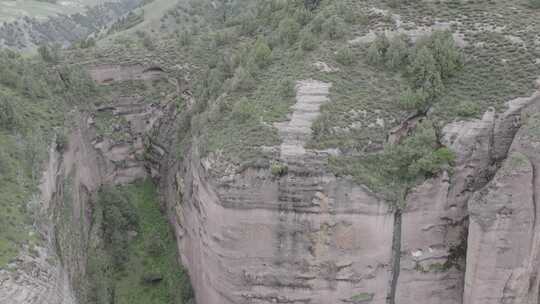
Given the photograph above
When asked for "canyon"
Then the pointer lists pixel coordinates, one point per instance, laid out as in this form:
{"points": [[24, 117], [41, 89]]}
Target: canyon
{"points": [[306, 236], [282, 225]]}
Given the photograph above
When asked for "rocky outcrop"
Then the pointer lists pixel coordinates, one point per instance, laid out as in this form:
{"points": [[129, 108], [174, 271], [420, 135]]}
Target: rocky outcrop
{"points": [[104, 74], [434, 228], [503, 244], [302, 237]]}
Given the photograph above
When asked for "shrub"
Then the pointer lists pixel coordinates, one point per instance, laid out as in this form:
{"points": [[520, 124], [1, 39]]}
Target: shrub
{"points": [[148, 42], [244, 110], [288, 31], [418, 156], [377, 50], [433, 163], [317, 24], [248, 25], [49, 54], [184, 38], [334, 28], [262, 53], [8, 116], [397, 52], [468, 109], [350, 15], [220, 38], [308, 42], [155, 245], [242, 80], [303, 16], [448, 58], [311, 4], [424, 75], [287, 88], [88, 43], [345, 56], [61, 141], [279, 169], [414, 100], [118, 217]]}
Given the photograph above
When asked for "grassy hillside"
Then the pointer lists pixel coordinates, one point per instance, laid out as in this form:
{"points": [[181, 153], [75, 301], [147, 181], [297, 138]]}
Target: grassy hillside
{"points": [[11, 10], [256, 50]]}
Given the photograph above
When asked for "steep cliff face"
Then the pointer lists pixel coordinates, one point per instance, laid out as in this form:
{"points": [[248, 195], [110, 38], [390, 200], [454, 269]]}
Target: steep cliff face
{"points": [[306, 236], [300, 237], [502, 255], [54, 272], [295, 233]]}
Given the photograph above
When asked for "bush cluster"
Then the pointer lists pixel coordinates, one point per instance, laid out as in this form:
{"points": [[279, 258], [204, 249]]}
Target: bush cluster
{"points": [[427, 65]]}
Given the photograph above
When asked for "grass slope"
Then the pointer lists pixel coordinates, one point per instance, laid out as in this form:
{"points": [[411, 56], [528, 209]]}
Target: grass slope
{"points": [[11, 10]]}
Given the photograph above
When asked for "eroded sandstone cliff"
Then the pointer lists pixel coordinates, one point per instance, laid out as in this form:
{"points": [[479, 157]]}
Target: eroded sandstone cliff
{"points": [[300, 234]]}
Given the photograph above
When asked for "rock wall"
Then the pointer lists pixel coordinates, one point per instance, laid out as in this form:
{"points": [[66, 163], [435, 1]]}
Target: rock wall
{"points": [[503, 245], [38, 277], [310, 237], [303, 237], [54, 272]]}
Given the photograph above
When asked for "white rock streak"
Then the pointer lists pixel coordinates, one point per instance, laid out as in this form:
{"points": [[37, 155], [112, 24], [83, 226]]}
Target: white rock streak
{"points": [[310, 96]]}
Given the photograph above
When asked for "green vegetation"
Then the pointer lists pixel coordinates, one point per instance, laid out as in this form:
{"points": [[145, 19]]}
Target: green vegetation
{"points": [[431, 61], [345, 56], [32, 106], [129, 229], [397, 168], [279, 170], [49, 54], [534, 3], [362, 297]]}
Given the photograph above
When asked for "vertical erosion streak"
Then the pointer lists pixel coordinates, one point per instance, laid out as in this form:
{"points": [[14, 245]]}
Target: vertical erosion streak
{"points": [[396, 257]]}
